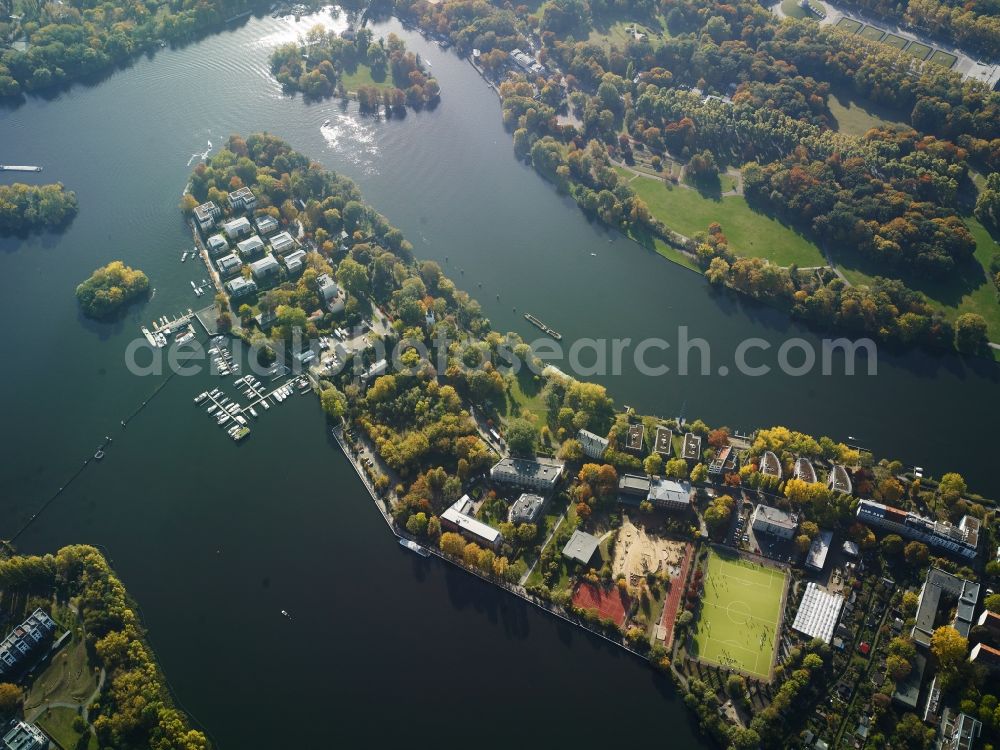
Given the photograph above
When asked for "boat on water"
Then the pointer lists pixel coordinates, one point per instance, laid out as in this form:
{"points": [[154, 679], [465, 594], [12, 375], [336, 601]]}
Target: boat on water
{"points": [[223, 419], [265, 404], [253, 412], [201, 397], [539, 324], [212, 408], [414, 547], [99, 454], [149, 336], [184, 256]]}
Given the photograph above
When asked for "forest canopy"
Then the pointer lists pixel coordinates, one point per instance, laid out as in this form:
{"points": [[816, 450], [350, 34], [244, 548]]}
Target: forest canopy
{"points": [[26, 208], [110, 288]]}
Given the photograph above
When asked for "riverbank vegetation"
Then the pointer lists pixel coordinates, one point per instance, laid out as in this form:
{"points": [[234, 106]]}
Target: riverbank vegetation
{"points": [[135, 711], [30, 208], [110, 288], [378, 72], [733, 87], [62, 42]]}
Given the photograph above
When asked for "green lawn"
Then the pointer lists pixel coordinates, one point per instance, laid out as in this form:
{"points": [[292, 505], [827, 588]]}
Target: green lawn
{"points": [[362, 76], [750, 233], [857, 117], [945, 59], [524, 398], [740, 614], [970, 290], [58, 723], [68, 678], [614, 28], [896, 41], [849, 25], [564, 581], [918, 50], [872, 33], [792, 9]]}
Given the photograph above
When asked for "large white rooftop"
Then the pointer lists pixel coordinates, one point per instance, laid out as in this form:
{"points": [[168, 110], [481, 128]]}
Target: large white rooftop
{"points": [[818, 613]]}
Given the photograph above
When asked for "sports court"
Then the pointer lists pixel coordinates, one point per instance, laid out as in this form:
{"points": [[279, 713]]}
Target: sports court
{"points": [[608, 603], [740, 614]]}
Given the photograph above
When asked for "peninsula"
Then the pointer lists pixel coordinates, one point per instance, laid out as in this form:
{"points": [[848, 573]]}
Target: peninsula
{"points": [[798, 590]]}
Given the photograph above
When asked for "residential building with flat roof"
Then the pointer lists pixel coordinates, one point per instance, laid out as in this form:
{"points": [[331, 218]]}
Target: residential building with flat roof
{"points": [[907, 692], [266, 224], [526, 509], [962, 539], [21, 735], [25, 644], [242, 199], [265, 268], [818, 613], [691, 450], [634, 487], [539, 474], [237, 229], [941, 587], [581, 547], [282, 243], [378, 368], [330, 295], [456, 519], [240, 287], [206, 215], [593, 445], [250, 249], [229, 265], [818, 550], [768, 520], [635, 438], [295, 261], [216, 245], [670, 494], [724, 461], [663, 441], [958, 732]]}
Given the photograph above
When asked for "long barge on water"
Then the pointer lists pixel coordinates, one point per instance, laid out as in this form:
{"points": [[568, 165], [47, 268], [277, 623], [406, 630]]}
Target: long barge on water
{"points": [[545, 329], [18, 168]]}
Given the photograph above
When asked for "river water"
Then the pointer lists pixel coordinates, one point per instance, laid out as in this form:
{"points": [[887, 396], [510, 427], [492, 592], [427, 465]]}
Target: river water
{"points": [[214, 540]]}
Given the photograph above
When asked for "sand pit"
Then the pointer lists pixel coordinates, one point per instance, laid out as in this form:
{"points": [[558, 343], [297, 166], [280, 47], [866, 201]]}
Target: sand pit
{"points": [[638, 553]]}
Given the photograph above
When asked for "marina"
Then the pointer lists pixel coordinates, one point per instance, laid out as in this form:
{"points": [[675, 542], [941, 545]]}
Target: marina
{"points": [[544, 328], [232, 414]]}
